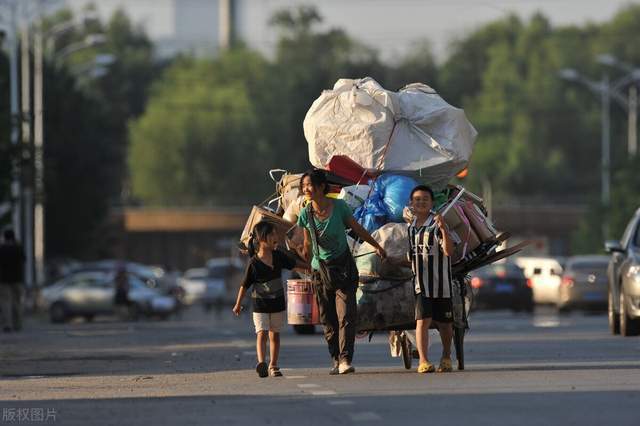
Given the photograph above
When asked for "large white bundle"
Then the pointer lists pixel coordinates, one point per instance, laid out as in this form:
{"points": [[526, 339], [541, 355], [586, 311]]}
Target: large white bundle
{"points": [[359, 118]]}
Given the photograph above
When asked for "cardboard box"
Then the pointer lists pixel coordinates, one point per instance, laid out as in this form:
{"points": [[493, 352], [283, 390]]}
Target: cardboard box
{"points": [[290, 236], [479, 222]]}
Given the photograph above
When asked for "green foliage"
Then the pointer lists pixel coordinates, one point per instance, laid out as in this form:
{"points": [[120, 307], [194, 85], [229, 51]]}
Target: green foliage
{"points": [[200, 140]]}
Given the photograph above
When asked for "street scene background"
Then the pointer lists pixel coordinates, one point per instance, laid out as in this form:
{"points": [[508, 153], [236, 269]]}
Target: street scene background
{"points": [[139, 134]]}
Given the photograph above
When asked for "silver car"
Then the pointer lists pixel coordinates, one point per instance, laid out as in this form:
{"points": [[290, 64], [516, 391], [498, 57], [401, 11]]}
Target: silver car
{"points": [[624, 280], [88, 294], [584, 283]]}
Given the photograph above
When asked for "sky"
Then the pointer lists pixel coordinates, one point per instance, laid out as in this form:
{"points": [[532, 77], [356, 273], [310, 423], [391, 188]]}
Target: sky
{"points": [[390, 26]]}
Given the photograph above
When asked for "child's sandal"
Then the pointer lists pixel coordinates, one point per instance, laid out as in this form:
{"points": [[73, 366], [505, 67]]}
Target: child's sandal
{"points": [[275, 372]]}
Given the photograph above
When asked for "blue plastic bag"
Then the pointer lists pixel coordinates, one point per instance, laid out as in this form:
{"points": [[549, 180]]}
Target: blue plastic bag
{"points": [[389, 196]]}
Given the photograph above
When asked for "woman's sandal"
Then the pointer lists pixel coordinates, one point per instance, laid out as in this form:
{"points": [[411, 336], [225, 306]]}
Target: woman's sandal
{"points": [[445, 366], [275, 372]]}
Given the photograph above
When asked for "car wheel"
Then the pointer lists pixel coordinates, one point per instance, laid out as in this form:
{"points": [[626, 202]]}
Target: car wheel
{"points": [[628, 326], [614, 318], [58, 312], [304, 329]]}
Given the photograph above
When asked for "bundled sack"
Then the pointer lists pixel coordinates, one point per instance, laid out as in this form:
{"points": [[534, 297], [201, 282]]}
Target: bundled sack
{"points": [[354, 195], [413, 129], [290, 236], [394, 240], [388, 198], [385, 305]]}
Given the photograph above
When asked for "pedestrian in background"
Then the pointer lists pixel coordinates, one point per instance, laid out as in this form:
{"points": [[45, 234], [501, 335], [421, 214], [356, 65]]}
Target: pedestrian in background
{"points": [[325, 222], [430, 248], [11, 282], [121, 298], [264, 274]]}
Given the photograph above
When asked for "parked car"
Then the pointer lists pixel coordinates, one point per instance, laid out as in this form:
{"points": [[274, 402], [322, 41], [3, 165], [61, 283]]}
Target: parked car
{"points": [[584, 283], [501, 285], [88, 294], [545, 275], [200, 285], [212, 284], [623, 276]]}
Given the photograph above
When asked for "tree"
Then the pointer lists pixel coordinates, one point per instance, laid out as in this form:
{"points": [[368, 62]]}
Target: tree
{"points": [[200, 140]]}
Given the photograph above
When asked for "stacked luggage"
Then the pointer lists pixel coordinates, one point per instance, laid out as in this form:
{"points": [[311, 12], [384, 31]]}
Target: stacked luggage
{"points": [[376, 146]]}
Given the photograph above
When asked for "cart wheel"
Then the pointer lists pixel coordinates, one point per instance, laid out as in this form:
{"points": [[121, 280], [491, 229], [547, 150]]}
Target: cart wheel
{"points": [[458, 341], [406, 351]]}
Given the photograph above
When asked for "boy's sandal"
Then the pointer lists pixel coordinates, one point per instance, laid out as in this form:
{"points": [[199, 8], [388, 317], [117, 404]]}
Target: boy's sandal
{"points": [[261, 369], [426, 367], [445, 366], [275, 372]]}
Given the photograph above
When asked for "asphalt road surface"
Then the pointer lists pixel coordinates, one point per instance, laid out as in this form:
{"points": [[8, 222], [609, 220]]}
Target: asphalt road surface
{"points": [[540, 369]]}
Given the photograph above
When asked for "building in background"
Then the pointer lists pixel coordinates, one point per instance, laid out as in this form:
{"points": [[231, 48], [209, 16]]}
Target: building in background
{"points": [[391, 26]]}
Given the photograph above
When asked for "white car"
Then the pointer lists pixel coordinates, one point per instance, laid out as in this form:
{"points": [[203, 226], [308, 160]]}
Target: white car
{"points": [[201, 286], [545, 274], [88, 294]]}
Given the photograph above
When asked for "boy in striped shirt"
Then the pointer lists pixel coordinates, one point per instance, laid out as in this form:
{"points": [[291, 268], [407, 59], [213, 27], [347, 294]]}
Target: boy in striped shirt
{"points": [[430, 248]]}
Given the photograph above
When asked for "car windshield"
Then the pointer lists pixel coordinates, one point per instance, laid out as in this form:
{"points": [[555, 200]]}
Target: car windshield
{"points": [[505, 269], [588, 266], [220, 271]]}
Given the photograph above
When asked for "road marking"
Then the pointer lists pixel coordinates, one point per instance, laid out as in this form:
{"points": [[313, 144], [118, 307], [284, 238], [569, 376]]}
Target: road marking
{"points": [[294, 377], [248, 353], [308, 385], [242, 343], [340, 402], [365, 416], [323, 392]]}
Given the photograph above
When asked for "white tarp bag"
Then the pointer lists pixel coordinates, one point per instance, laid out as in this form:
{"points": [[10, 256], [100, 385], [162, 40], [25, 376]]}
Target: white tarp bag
{"points": [[410, 130]]}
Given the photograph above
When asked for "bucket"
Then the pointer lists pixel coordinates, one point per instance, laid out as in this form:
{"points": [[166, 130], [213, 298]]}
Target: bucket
{"points": [[302, 306]]}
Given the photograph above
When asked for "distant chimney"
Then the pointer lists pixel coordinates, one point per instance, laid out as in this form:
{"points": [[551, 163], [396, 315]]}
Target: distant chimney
{"points": [[226, 27]]}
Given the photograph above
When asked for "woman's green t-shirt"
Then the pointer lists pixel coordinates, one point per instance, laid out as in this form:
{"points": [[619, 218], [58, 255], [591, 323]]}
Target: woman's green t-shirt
{"points": [[332, 239]]}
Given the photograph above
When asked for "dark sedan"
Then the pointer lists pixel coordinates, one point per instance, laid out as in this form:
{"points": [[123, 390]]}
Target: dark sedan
{"points": [[584, 283], [501, 285]]}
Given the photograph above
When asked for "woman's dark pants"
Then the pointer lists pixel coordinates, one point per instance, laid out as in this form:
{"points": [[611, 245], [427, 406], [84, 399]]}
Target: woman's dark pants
{"points": [[338, 313]]}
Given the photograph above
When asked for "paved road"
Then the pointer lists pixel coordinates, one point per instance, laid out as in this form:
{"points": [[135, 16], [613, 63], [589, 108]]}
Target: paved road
{"points": [[520, 369]]}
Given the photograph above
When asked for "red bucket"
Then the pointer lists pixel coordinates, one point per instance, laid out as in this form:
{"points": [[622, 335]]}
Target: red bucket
{"points": [[302, 306]]}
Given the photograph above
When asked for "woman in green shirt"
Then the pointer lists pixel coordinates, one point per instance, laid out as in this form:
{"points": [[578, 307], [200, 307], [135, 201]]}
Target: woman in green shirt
{"points": [[331, 218]]}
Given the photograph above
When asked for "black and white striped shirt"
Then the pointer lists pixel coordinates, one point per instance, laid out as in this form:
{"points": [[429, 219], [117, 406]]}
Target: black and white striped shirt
{"points": [[431, 267]]}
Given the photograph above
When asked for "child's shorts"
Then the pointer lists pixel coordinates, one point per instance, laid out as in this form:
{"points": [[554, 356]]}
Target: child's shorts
{"points": [[268, 321]]}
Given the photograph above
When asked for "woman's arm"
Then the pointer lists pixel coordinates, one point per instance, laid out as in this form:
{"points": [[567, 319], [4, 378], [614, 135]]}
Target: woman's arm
{"points": [[306, 246], [365, 236]]}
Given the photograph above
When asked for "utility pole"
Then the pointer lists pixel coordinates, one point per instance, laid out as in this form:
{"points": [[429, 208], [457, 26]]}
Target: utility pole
{"points": [[27, 175], [606, 154], [633, 121], [38, 157]]}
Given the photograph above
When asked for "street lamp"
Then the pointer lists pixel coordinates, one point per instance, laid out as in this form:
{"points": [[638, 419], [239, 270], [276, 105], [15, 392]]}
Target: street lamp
{"points": [[601, 88], [632, 78], [90, 40]]}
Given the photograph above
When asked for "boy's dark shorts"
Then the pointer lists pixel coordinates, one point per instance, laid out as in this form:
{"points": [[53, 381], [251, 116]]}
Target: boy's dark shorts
{"points": [[440, 310]]}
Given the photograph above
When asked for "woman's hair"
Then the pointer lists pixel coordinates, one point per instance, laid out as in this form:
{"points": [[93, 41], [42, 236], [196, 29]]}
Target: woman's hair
{"points": [[424, 188], [318, 179], [260, 232]]}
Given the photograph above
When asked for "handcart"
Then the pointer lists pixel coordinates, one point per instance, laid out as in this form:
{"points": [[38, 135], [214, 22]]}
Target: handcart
{"points": [[388, 306]]}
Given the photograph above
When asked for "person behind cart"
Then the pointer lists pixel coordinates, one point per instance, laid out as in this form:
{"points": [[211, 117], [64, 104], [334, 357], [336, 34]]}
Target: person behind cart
{"points": [[121, 297], [325, 221], [263, 273], [430, 250]]}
